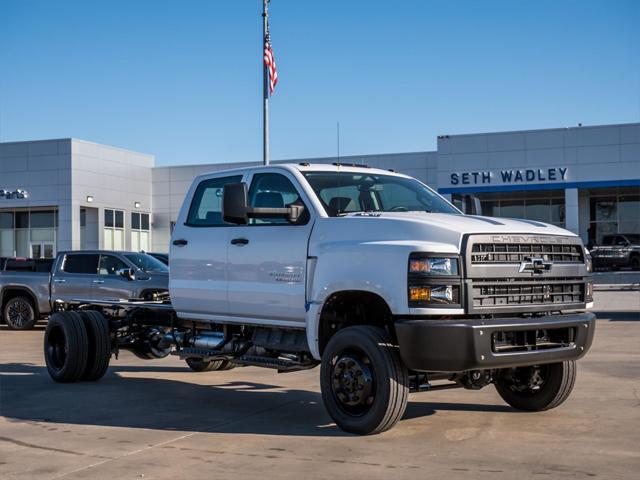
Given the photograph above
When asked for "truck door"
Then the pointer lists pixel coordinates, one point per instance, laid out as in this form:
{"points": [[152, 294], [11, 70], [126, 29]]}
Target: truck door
{"points": [[268, 257], [74, 276], [198, 279], [111, 283]]}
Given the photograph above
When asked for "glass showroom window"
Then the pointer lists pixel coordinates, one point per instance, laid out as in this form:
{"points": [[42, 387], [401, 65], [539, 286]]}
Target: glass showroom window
{"points": [[140, 232], [613, 211], [26, 233], [545, 207], [113, 229]]}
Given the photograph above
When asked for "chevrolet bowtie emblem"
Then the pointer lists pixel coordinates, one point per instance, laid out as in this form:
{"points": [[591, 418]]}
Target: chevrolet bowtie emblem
{"points": [[535, 265]]}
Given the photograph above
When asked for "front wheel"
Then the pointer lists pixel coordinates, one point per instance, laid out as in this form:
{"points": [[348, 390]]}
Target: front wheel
{"points": [[537, 388], [19, 313], [635, 263], [363, 380]]}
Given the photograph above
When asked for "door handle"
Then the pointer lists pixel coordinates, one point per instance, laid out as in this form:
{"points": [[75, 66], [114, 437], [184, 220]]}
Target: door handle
{"points": [[98, 281], [180, 242], [59, 280], [239, 241]]}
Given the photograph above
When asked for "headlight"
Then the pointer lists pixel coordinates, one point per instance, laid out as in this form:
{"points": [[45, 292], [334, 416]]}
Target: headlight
{"points": [[433, 281], [433, 265]]}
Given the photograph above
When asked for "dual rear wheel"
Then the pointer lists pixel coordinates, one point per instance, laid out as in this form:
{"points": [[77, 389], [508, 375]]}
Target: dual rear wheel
{"points": [[77, 346]]}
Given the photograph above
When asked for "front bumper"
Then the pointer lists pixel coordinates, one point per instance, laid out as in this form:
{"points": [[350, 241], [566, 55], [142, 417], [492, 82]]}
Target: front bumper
{"points": [[460, 345]]}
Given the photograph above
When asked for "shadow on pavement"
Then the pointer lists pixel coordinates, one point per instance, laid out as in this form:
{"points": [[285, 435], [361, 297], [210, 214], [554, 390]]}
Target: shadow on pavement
{"points": [[619, 316], [28, 394]]}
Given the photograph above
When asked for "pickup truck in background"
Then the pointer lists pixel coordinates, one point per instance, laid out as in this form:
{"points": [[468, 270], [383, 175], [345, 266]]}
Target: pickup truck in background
{"points": [[369, 274], [31, 289], [617, 251]]}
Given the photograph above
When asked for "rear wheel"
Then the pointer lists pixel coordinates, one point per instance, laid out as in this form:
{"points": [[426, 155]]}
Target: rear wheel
{"points": [[99, 338], [635, 263], [537, 388], [363, 380], [66, 346], [19, 313], [199, 365]]}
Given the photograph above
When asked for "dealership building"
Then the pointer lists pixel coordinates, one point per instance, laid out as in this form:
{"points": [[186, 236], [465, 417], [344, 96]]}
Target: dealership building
{"points": [[70, 194]]}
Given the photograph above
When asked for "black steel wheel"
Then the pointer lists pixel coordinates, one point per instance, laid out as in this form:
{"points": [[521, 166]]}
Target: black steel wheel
{"points": [[537, 388], [19, 313], [364, 383], [199, 365], [66, 347], [99, 338]]}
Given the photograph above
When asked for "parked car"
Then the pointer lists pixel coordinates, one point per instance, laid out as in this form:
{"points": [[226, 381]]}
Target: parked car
{"points": [[163, 257], [369, 274], [28, 292], [616, 251]]}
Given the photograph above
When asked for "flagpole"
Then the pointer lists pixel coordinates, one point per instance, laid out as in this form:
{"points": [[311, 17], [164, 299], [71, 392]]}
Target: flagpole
{"points": [[265, 88]]}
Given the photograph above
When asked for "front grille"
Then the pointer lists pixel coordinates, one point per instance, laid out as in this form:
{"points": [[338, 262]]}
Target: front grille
{"points": [[492, 253], [527, 291]]}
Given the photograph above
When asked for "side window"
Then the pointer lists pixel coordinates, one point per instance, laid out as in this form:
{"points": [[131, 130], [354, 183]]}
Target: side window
{"points": [[206, 206], [80, 263], [273, 190], [110, 265]]}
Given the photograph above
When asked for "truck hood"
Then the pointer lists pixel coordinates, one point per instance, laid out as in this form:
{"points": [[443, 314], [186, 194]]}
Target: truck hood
{"points": [[436, 232]]}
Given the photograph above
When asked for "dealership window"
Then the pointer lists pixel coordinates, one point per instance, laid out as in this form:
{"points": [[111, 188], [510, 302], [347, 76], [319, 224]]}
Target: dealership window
{"points": [[28, 233], [140, 227], [613, 211], [541, 206], [113, 229]]}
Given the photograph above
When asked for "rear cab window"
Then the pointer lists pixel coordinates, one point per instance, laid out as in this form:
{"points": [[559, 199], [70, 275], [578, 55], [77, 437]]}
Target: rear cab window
{"points": [[206, 206], [80, 263]]}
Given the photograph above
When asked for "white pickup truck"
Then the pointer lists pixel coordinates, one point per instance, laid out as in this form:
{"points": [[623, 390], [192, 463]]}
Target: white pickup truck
{"points": [[369, 274]]}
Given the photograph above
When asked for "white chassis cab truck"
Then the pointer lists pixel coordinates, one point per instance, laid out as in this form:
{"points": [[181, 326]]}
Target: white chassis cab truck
{"points": [[369, 274]]}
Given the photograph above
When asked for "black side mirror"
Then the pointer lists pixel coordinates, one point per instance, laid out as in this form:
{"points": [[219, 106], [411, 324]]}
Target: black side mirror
{"points": [[235, 209], [234, 203], [127, 273], [471, 205]]}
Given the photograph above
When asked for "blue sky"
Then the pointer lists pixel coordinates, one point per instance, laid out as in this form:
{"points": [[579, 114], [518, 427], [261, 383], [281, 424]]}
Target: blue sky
{"points": [[182, 79]]}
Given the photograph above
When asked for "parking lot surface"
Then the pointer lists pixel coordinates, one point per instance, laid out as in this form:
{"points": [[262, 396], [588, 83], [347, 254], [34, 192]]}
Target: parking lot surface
{"points": [[157, 419]]}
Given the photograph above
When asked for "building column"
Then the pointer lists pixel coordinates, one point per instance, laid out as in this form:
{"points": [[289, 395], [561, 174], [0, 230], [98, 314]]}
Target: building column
{"points": [[68, 227], [571, 210]]}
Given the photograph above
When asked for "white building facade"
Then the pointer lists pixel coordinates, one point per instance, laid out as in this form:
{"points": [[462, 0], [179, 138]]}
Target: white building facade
{"points": [[85, 195]]}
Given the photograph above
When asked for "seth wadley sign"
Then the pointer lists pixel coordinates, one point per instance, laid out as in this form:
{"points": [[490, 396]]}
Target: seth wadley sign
{"points": [[509, 176]]}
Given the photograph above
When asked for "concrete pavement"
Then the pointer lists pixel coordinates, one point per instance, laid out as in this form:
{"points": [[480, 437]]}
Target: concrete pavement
{"points": [[159, 420]]}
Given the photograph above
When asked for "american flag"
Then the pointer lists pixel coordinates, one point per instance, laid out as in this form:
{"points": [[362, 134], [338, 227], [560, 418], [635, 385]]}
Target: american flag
{"points": [[270, 62]]}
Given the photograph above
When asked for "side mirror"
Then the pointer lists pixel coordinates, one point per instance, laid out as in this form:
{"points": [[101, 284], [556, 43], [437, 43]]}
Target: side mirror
{"points": [[127, 273], [235, 209], [234, 203], [471, 205]]}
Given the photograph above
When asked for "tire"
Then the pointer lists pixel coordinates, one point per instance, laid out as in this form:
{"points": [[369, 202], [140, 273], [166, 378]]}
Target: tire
{"points": [[66, 347], [99, 351], [19, 313], [635, 263], [554, 386], [364, 383], [198, 365]]}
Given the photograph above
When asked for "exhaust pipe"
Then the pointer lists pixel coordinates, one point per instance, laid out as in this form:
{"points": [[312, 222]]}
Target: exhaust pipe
{"points": [[206, 340]]}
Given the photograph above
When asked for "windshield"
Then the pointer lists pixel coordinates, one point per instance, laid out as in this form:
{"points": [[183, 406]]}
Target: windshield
{"points": [[344, 192], [146, 263]]}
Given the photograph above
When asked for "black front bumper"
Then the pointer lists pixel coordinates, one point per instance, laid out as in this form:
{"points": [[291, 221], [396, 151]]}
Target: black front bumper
{"points": [[460, 345]]}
